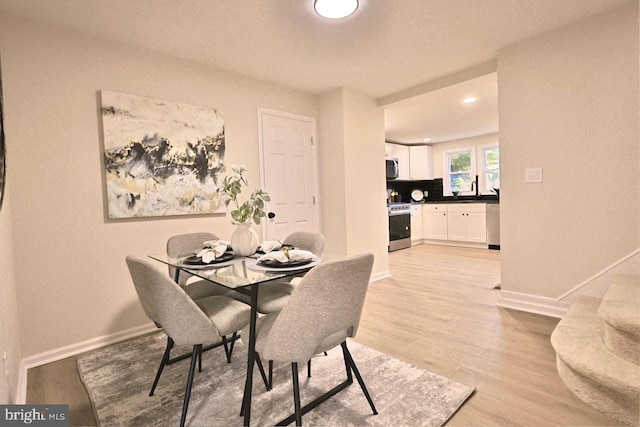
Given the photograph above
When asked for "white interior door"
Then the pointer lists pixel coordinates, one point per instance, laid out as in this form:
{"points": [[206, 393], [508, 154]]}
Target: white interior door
{"points": [[289, 173]]}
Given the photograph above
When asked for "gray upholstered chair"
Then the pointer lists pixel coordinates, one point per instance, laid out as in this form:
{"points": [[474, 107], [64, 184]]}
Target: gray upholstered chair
{"points": [[322, 312], [183, 245], [184, 320], [312, 242], [274, 295]]}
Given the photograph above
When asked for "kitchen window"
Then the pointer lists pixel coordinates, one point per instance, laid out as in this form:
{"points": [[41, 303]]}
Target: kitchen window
{"points": [[490, 168], [460, 171]]}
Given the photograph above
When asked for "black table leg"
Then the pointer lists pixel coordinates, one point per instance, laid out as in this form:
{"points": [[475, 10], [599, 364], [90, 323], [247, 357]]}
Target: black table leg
{"points": [[251, 358]]}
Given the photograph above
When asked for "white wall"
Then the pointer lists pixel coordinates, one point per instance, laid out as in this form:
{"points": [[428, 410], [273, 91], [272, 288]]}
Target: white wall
{"points": [[73, 284], [9, 331], [353, 189], [331, 154], [568, 102], [367, 226]]}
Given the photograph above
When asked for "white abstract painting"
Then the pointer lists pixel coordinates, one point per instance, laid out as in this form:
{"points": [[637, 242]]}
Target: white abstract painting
{"points": [[161, 158]]}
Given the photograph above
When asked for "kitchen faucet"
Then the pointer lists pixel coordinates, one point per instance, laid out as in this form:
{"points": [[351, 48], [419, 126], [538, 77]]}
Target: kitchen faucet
{"points": [[474, 184]]}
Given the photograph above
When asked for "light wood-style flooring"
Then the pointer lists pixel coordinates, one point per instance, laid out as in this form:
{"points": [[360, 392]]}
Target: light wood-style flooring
{"points": [[438, 312]]}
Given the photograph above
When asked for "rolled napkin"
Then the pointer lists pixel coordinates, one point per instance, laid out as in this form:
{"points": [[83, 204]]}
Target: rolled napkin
{"points": [[280, 256], [210, 253], [212, 243], [269, 246]]}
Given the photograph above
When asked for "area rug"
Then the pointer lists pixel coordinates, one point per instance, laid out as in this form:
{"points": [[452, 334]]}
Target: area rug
{"points": [[118, 379]]}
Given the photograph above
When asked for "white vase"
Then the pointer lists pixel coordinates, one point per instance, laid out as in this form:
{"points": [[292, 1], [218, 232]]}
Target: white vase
{"points": [[244, 240]]}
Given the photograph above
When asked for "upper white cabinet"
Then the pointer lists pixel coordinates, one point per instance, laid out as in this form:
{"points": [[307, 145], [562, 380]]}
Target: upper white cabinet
{"points": [[420, 162], [404, 166], [390, 150], [414, 162]]}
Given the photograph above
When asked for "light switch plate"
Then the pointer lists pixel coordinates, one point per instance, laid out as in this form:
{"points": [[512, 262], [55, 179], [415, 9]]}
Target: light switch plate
{"points": [[533, 175]]}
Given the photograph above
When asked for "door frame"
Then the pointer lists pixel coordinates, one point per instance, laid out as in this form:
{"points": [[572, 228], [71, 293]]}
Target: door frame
{"points": [[261, 111]]}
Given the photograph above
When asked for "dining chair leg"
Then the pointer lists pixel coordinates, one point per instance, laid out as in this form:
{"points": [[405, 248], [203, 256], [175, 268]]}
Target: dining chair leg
{"points": [[163, 363], [234, 337], [264, 376], [309, 368], [349, 359], [200, 359], [296, 393], [270, 373], [226, 348], [187, 392], [347, 367]]}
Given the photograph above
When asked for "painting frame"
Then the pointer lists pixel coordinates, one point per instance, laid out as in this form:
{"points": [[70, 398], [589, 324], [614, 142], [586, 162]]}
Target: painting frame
{"points": [[161, 158]]}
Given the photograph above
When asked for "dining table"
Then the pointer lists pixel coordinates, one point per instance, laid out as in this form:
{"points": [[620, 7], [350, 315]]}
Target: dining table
{"points": [[245, 276]]}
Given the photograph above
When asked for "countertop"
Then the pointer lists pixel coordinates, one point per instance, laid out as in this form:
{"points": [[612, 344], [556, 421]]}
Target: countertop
{"points": [[490, 201]]}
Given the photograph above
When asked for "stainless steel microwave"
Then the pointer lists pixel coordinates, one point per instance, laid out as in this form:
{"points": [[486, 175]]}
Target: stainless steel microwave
{"points": [[392, 168]]}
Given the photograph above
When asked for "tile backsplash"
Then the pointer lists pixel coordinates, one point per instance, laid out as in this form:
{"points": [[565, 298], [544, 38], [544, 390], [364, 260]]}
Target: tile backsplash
{"points": [[404, 188]]}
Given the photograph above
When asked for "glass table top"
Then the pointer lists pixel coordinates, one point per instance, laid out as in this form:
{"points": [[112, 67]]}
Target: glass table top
{"points": [[238, 272]]}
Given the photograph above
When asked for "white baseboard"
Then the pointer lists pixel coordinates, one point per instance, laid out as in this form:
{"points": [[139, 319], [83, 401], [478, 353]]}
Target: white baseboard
{"points": [[380, 275], [71, 350], [450, 243], [533, 304]]}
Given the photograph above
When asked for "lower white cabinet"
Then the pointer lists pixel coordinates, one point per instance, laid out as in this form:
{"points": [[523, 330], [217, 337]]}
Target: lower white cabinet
{"points": [[434, 221], [467, 222], [416, 223]]}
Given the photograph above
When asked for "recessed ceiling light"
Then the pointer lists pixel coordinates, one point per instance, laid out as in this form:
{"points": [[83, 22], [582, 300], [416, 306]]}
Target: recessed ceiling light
{"points": [[335, 9], [427, 140], [470, 100]]}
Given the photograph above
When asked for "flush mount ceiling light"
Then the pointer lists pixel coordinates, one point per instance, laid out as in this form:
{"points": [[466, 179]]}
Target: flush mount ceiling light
{"points": [[427, 140], [335, 9], [469, 100]]}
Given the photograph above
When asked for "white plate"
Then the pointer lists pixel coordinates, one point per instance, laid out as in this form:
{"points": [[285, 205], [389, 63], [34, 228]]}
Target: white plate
{"points": [[256, 267], [417, 195]]}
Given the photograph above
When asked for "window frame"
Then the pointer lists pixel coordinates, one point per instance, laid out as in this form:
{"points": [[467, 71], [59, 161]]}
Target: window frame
{"points": [[446, 181], [482, 181]]}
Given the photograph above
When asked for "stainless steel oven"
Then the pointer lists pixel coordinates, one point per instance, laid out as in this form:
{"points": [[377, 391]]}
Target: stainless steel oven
{"points": [[399, 226]]}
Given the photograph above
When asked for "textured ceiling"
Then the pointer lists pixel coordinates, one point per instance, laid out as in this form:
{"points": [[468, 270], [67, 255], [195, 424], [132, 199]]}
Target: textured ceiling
{"points": [[386, 47]]}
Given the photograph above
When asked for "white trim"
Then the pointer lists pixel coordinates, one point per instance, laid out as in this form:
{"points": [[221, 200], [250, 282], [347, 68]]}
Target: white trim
{"points": [[312, 121], [380, 275], [21, 392], [446, 171], [533, 304], [600, 273], [457, 243], [482, 159], [71, 350]]}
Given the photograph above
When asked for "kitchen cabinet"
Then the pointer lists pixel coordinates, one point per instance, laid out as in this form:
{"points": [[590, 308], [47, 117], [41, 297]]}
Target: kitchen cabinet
{"points": [[467, 222], [402, 154], [420, 162], [416, 223], [434, 221], [390, 150], [414, 162]]}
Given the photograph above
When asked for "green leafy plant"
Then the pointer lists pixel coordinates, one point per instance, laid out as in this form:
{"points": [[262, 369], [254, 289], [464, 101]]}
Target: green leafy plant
{"points": [[231, 188]]}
